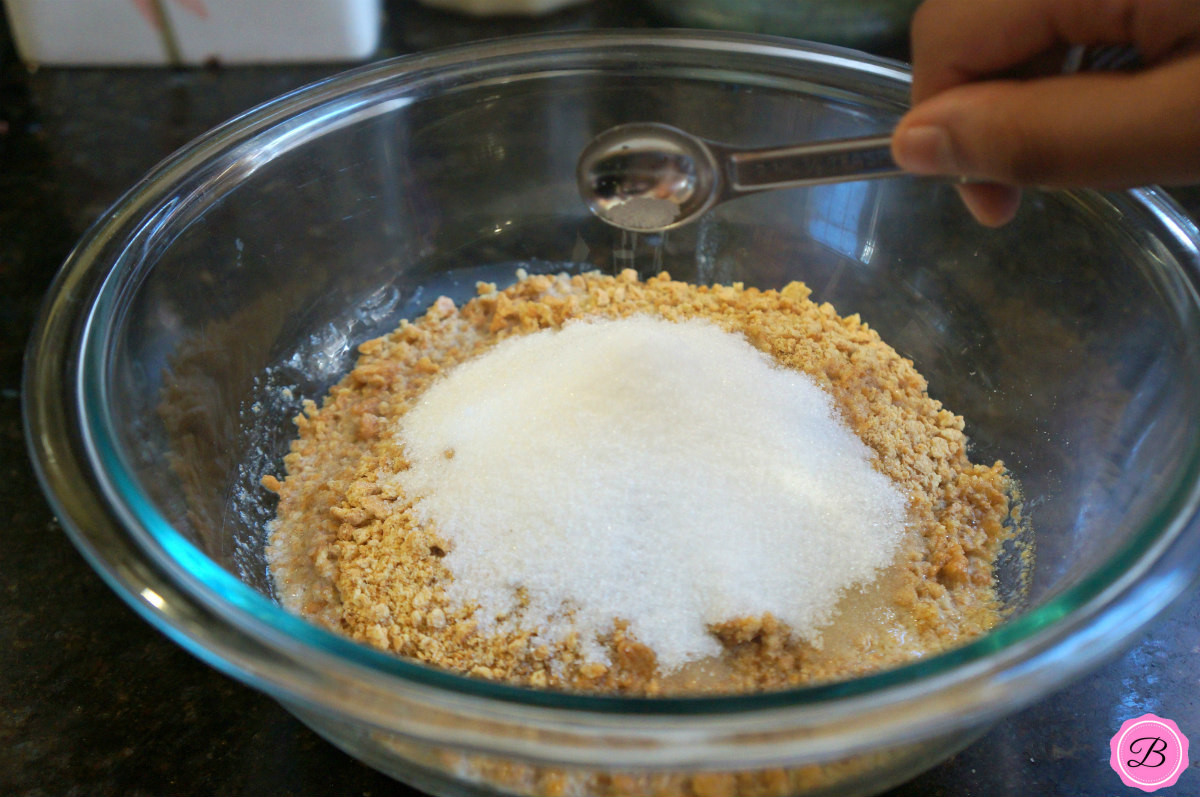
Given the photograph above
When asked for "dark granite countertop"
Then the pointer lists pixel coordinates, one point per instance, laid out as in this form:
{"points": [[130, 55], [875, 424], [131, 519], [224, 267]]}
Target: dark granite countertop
{"points": [[94, 701]]}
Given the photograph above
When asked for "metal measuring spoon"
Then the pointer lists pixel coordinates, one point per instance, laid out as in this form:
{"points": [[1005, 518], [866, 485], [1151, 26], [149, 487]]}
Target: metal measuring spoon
{"points": [[651, 177]]}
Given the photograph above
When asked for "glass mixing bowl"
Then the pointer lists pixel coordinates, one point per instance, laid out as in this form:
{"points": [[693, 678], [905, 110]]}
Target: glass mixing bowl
{"points": [[235, 281]]}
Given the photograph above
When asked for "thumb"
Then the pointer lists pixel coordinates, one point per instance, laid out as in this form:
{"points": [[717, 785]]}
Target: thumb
{"points": [[1099, 130]]}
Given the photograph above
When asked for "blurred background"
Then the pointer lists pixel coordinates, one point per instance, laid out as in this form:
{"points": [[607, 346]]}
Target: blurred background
{"points": [[93, 93]]}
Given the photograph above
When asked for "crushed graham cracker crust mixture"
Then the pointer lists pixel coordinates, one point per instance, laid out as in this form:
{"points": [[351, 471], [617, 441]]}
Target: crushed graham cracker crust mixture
{"points": [[347, 552]]}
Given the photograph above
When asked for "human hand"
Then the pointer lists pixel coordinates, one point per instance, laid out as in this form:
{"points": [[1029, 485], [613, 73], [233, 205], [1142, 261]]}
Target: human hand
{"points": [[1095, 129]]}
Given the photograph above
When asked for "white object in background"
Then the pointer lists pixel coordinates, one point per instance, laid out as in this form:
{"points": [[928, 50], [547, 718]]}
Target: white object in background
{"points": [[487, 8], [158, 32]]}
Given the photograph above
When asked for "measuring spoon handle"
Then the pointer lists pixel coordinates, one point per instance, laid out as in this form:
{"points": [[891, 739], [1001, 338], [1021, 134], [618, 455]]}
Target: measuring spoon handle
{"points": [[833, 161]]}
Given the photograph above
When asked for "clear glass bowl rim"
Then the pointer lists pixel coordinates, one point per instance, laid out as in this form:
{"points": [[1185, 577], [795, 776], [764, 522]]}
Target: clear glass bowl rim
{"points": [[143, 558]]}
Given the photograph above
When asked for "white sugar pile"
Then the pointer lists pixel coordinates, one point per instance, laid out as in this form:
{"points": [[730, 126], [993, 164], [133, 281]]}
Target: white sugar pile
{"points": [[643, 213], [667, 474]]}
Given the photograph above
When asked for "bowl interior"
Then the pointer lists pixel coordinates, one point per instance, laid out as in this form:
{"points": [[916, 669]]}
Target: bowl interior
{"points": [[268, 252]]}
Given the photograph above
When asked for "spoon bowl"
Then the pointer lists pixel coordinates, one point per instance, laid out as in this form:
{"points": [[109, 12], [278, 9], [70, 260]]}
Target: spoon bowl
{"points": [[647, 176]]}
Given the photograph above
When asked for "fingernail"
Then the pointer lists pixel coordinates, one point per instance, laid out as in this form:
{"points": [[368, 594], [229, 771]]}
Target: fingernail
{"points": [[926, 150]]}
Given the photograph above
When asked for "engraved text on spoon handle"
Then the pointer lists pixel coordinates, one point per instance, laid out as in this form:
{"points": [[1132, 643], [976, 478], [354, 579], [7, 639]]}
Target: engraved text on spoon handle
{"points": [[810, 164]]}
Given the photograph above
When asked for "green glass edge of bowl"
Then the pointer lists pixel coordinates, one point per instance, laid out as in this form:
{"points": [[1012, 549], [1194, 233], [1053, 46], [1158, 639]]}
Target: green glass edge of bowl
{"points": [[205, 574]]}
